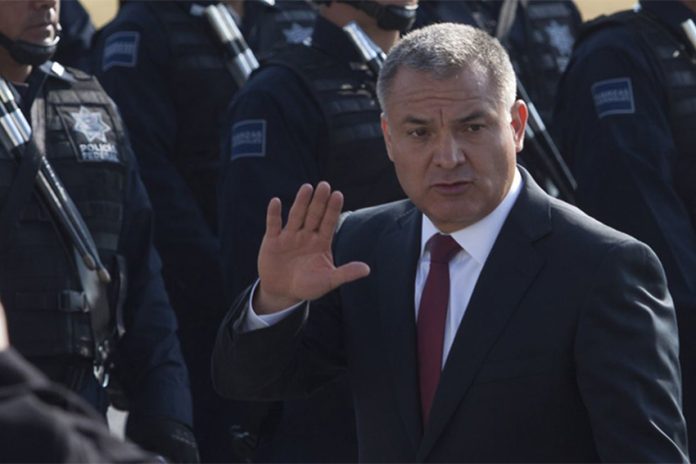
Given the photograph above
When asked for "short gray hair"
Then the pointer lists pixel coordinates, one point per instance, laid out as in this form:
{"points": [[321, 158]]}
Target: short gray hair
{"points": [[443, 50]]}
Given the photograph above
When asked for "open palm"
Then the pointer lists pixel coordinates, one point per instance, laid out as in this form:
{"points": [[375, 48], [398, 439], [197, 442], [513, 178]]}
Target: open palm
{"points": [[295, 262]]}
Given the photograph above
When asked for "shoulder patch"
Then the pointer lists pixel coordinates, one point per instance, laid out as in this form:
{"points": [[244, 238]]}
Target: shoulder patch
{"points": [[613, 96], [121, 49], [248, 139]]}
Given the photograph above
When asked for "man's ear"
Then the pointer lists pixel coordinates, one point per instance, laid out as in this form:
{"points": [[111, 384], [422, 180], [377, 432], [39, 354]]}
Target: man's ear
{"points": [[387, 134], [519, 113]]}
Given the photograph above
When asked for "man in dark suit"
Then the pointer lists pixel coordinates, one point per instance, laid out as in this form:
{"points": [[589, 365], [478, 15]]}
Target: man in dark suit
{"points": [[480, 321]]}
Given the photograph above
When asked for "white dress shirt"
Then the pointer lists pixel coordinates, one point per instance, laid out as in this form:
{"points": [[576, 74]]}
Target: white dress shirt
{"points": [[476, 241], [465, 267]]}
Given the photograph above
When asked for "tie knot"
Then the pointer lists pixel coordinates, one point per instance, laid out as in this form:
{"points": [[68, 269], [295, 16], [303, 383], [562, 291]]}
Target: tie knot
{"points": [[443, 248]]}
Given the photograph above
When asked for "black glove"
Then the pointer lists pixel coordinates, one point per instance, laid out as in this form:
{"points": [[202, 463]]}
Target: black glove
{"points": [[171, 439]]}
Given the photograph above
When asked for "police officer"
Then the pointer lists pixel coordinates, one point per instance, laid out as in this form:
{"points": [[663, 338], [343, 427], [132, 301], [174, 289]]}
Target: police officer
{"points": [[625, 119], [167, 70], [69, 320], [539, 36], [309, 113]]}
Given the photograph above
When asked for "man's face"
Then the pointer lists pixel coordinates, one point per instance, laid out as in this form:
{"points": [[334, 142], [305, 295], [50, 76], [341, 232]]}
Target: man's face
{"points": [[453, 144], [34, 21]]}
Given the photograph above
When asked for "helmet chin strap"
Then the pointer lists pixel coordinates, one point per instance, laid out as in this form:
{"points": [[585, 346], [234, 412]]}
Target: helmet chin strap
{"points": [[389, 17], [28, 53]]}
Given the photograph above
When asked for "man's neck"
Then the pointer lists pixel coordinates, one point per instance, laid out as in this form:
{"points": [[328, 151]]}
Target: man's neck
{"points": [[11, 70], [341, 14]]}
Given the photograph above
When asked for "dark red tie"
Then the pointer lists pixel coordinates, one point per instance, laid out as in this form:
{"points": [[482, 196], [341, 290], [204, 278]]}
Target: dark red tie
{"points": [[431, 319]]}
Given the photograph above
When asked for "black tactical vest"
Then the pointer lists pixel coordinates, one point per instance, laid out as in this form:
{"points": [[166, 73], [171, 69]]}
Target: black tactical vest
{"points": [[675, 61], [354, 159], [201, 88], [40, 288]]}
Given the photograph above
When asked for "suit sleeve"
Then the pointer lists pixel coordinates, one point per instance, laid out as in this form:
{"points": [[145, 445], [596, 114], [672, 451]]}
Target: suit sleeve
{"points": [[290, 359], [626, 350], [270, 147]]}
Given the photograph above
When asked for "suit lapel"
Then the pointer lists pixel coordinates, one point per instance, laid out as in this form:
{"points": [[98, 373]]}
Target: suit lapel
{"points": [[509, 270], [399, 250]]}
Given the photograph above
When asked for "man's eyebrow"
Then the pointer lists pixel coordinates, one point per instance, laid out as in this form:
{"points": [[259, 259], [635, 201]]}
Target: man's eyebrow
{"points": [[410, 119], [470, 117], [417, 120]]}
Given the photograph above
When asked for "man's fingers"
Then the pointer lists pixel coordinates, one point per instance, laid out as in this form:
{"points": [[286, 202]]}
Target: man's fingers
{"points": [[274, 222], [331, 215], [349, 272], [298, 210], [315, 212]]}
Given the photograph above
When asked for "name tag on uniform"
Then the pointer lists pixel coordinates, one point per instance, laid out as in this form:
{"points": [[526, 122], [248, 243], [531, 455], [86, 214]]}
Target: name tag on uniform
{"points": [[613, 96], [248, 139]]}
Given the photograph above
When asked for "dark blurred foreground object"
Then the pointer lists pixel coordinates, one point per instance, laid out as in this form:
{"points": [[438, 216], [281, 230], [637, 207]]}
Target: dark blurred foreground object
{"points": [[44, 422]]}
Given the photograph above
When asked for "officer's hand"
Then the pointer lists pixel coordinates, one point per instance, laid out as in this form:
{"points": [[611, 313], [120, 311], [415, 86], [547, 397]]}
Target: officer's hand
{"points": [[4, 339], [295, 262], [170, 439]]}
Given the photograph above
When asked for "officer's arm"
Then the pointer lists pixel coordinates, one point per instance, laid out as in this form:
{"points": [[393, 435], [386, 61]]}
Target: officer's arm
{"points": [[271, 146], [149, 360], [614, 128]]}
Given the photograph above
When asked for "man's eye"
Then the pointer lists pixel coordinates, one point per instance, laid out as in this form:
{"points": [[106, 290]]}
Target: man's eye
{"points": [[418, 133], [474, 127]]}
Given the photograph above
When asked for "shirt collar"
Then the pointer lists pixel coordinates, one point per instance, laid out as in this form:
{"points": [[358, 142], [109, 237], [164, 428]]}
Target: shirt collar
{"points": [[478, 238]]}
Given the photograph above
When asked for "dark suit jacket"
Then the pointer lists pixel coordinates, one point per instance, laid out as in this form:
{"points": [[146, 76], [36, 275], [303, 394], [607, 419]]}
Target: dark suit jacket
{"points": [[567, 351]]}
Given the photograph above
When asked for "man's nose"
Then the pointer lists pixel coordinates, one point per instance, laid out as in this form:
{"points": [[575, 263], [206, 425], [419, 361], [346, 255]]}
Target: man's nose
{"points": [[449, 153]]}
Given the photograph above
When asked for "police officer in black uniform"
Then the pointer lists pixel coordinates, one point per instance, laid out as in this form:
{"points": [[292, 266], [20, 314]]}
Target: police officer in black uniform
{"points": [[626, 121], [167, 70], [309, 113], [72, 322]]}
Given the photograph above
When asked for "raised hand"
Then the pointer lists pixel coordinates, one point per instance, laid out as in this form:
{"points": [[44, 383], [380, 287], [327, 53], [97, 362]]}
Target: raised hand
{"points": [[295, 262]]}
